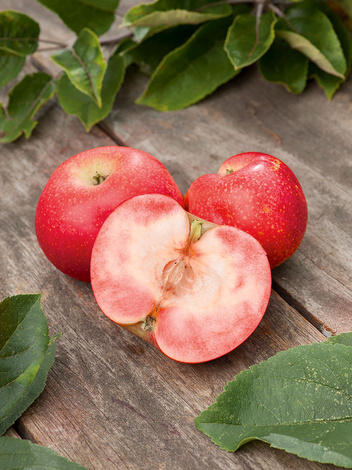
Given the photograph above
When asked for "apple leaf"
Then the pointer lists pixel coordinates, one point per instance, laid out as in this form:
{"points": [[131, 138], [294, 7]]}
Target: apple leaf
{"points": [[25, 99], [244, 43], [175, 12], [284, 65], [184, 76], [97, 15], [106, 5], [26, 355], [299, 400], [329, 83], [81, 105], [18, 38], [150, 52], [10, 66], [84, 64], [309, 30], [21, 454], [18, 33]]}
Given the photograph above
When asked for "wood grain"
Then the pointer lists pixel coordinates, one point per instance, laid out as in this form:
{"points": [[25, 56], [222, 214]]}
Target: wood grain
{"points": [[112, 401]]}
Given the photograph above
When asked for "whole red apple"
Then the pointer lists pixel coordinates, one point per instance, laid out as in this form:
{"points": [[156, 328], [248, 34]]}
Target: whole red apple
{"points": [[83, 191], [193, 289], [259, 194]]}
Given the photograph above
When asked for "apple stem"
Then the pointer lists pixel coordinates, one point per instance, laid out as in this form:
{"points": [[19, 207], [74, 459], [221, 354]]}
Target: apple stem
{"points": [[98, 179], [195, 231], [228, 171]]}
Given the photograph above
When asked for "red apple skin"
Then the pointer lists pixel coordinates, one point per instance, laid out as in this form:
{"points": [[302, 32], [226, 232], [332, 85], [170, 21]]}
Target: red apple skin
{"points": [[73, 207], [259, 194]]}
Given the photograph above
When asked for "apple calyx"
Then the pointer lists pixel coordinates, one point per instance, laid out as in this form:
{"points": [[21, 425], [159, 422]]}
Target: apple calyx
{"points": [[229, 171], [99, 179], [177, 274], [149, 322]]}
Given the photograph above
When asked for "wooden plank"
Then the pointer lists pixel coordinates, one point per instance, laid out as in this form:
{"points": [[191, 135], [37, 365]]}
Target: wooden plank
{"points": [[111, 400], [11, 432]]}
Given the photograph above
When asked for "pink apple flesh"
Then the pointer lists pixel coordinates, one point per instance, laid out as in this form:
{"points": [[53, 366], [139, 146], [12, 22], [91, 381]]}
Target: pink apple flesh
{"points": [[83, 191], [259, 194], [193, 289]]}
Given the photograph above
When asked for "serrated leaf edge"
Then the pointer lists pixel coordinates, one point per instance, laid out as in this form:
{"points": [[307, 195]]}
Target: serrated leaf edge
{"points": [[95, 96]]}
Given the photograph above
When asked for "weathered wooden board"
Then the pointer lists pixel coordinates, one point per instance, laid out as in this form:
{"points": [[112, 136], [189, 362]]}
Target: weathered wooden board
{"points": [[112, 401]]}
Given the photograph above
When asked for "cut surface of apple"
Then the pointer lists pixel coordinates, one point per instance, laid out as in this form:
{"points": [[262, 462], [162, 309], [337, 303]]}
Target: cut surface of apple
{"points": [[193, 289]]}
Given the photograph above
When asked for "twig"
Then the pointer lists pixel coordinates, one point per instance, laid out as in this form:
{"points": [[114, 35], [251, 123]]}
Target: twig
{"points": [[48, 41], [276, 10], [53, 48], [114, 40]]}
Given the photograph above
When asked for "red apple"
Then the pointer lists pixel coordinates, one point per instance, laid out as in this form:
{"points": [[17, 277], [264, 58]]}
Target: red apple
{"points": [[193, 289], [259, 194], [83, 191]]}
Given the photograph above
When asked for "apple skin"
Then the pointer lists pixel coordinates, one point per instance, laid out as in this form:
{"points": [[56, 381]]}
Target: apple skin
{"points": [[259, 194], [192, 289], [83, 191]]}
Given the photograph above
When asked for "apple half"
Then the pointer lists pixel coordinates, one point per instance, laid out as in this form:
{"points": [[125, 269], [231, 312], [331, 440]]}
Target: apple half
{"points": [[193, 289]]}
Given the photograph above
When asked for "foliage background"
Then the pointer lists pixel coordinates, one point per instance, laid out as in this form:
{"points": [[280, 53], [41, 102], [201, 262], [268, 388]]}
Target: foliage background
{"points": [[188, 48]]}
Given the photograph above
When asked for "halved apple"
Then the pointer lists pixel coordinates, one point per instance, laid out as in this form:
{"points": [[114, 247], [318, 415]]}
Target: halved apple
{"points": [[193, 289]]}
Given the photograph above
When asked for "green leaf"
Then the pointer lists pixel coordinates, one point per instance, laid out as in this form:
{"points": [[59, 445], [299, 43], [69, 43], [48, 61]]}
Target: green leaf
{"points": [[25, 99], [20, 454], [309, 30], [84, 64], [172, 13], [284, 65], [107, 5], [192, 71], [18, 33], [10, 66], [18, 38], [150, 52], [245, 44], [299, 400], [79, 104], [343, 338], [26, 355], [329, 83], [79, 14]]}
